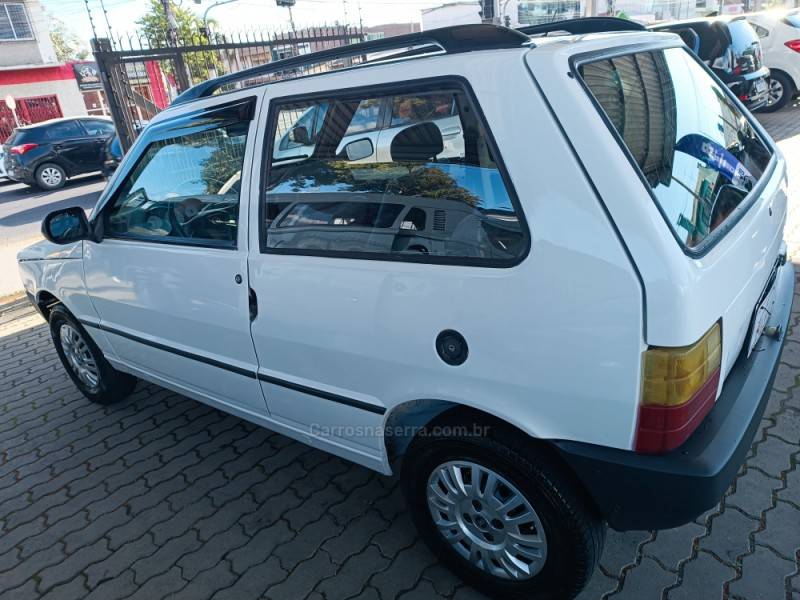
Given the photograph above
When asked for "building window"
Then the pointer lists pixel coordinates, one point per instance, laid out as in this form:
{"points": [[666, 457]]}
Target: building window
{"points": [[14, 23]]}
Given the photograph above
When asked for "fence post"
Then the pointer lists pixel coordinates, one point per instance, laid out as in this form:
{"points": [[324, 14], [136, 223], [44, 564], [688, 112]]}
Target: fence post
{"points": [[101, 48]]}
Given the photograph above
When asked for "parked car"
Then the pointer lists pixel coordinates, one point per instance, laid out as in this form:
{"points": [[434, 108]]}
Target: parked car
{"points": [[112, 155], [47, 154], [732, 49], [779, 32], [574, 321], [379, 120]]}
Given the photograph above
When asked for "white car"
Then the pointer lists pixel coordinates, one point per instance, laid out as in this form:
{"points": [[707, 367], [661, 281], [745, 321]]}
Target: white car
{"points": [[574, 321], [377, 119], [779, 31]]}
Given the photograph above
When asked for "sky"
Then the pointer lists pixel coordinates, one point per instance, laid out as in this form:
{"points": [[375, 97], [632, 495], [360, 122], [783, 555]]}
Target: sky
{"points": [[239, 14]]}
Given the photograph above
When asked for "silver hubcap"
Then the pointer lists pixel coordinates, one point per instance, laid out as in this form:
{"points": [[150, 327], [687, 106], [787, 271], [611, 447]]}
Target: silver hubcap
{"points": [[51, 176], [79, 357], [775, 91], [487, 520]]}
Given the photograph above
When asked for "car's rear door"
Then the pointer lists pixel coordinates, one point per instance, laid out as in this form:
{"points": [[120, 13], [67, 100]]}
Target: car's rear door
{"points": [[73, 146], [100, 132], [169, 277]]}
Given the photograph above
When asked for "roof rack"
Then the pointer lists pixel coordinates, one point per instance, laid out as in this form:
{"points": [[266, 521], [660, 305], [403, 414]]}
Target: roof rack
{"points": [[583, 25], [450, 40]]}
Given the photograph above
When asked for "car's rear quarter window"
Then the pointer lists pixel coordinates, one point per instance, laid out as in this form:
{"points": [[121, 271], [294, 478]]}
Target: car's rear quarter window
{"points": [[697, 152]]}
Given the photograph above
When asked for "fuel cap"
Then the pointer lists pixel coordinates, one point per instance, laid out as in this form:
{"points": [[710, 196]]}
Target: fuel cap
{"points": [[452, 347]]}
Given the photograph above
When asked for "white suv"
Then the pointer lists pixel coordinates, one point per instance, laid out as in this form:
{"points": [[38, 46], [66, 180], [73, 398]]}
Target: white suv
{"points": [[779, 32], [574, 321]]}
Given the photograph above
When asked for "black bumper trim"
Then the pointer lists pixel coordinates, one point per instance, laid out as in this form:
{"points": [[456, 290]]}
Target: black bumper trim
{"points": [[638, 491]]}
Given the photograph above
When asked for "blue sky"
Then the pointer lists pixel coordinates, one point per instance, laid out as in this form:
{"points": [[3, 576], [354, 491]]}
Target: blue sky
{"points": [[238, 15]]}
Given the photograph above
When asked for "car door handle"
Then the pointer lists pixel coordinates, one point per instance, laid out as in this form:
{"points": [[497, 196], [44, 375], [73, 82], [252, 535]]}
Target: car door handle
{"points": [[451, 131], [253, 302]]}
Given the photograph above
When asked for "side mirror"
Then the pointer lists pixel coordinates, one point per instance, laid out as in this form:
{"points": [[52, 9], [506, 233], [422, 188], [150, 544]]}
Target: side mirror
{"points": [[299, 135], [66, 226], [359, 149]]}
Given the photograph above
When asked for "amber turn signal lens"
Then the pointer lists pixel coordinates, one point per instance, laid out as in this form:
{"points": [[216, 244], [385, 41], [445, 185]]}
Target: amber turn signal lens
{"points": [[673, 375]]}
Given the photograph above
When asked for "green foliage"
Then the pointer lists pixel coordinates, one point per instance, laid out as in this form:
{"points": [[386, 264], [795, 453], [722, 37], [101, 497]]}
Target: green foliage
{"points": [[397, 178], [65, 43], [189, 32]]}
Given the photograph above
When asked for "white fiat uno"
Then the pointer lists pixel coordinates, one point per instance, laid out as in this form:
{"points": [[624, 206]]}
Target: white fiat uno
{"points": [[543, 280]]}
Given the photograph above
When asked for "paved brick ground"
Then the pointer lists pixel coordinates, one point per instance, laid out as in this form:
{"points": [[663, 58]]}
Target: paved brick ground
{"points": [[162, 497]]}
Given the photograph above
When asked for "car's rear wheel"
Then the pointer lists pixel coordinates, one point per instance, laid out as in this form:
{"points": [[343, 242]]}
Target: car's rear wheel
{"points": [[500, 512], [84, 361], [780, 92], [50, 176]]}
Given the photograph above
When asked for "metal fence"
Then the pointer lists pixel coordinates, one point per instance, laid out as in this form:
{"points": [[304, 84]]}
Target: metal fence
{"points": [[141, 75]]}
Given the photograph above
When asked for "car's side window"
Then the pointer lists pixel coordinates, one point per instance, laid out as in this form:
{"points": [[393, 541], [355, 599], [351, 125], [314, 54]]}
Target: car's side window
{"points": [[184, 189], [420, 108], [428, 189], [366, 116], [65, 130], [97, 128]]}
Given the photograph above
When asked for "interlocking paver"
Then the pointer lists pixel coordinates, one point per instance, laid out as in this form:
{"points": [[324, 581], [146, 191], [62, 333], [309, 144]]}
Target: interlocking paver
{"points": [[704, 577], [161, 496], [764, 575]]}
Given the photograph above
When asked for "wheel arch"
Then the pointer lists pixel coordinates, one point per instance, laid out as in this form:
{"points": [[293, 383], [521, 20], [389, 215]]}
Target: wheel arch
{"points": [[795, 84], [405, 421], [45, 301]]}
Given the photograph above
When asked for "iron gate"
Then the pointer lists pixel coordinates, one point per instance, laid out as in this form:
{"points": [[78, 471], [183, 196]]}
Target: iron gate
{"points": [[141, 77]]}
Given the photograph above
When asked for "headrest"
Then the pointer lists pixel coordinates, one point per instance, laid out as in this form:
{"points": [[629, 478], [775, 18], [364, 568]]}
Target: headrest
{"points": [[420, 142]]}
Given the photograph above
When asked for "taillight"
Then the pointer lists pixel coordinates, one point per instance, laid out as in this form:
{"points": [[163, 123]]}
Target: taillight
{"points": [[793, 45], [679, 387], [22, 148]]}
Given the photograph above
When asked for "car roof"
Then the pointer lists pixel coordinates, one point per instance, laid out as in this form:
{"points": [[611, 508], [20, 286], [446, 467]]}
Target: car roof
{"points": [[61, 120], [453, 40]]}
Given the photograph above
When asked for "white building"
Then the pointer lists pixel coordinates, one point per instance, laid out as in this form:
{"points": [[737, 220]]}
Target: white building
{"points": [[452, 13], [42, 87]]}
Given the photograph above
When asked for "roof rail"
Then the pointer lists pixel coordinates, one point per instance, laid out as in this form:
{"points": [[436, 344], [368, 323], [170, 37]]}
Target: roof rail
{"points": [[584, 25], [451, 40]]}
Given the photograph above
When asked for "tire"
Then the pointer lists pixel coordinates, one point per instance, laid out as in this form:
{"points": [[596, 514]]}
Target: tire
{"points": [[778, 82], [557, 513], [50, 176], [84, 362]]}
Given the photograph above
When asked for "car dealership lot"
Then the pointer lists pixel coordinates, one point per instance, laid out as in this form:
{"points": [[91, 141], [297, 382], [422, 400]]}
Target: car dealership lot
{"points": [[161, 495]]}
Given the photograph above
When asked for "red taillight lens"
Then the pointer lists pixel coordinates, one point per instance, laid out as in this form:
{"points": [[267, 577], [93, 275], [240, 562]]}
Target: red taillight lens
{"points": [[23, 148], [793, 45], [679, 388]]}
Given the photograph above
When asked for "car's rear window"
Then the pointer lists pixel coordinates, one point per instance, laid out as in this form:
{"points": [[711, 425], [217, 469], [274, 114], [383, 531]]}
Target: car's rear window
{"points": [[23, 136], [745, 44], [698, 153], [792, 19]]}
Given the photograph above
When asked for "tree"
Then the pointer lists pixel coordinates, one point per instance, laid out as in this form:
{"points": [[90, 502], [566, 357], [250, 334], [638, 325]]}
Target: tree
{"points": [[190, 31], [65, 43]]}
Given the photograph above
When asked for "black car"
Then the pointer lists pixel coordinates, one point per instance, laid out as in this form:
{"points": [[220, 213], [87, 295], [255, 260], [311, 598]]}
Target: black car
{"points": [[733, 51], [47, 153]]}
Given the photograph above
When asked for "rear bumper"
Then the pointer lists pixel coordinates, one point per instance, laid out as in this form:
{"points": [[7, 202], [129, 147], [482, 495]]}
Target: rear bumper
{"points": [[638, 491], [21, 174]]}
